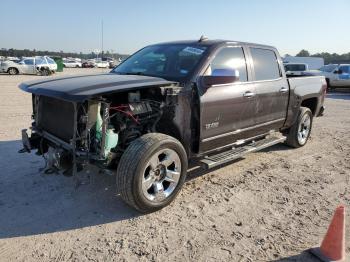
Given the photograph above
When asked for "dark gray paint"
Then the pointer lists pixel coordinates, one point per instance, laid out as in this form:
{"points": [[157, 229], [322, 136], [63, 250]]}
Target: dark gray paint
{"points": [[80, 88]]}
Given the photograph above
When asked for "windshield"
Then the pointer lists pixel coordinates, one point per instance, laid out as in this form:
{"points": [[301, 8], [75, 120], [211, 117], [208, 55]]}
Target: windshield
{"points": [[171, 61], [328, 68]]}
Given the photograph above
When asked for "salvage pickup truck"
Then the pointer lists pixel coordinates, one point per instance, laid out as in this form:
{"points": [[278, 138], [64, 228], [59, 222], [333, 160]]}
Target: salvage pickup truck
{"points": [[168, 105]]}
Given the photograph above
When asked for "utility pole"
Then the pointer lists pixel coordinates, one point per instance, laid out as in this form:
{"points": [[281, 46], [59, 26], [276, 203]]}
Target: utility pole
{"points": [[102, 40]]}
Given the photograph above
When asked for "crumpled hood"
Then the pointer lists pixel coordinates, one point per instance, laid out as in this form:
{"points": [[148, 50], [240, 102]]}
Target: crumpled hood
{"points": [[81, 87]]}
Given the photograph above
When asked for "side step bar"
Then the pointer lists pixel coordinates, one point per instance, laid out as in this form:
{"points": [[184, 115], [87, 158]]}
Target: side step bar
{"points": [[239, 152]]}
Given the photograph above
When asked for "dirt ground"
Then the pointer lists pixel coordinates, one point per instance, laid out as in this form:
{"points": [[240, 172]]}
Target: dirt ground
{"points": [[271, 206]]}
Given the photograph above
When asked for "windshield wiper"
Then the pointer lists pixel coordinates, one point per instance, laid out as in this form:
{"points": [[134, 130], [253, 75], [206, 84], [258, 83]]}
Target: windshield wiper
{"points": [[130, 73]]}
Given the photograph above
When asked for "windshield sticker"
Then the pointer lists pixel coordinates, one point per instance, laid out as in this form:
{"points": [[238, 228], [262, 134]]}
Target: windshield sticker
{"points": [[193, 50]]}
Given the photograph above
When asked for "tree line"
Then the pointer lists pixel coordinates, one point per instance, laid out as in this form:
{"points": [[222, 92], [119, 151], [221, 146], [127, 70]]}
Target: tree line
{"points": [[328, 57], [28, 53]]}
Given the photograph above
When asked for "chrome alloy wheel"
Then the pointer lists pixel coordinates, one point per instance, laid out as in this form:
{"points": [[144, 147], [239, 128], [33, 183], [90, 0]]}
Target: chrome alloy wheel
{"points": [[161, 175], [304, 129]]}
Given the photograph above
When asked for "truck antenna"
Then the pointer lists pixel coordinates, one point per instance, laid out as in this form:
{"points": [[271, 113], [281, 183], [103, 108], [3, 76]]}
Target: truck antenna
{"points": [[203, 38]]}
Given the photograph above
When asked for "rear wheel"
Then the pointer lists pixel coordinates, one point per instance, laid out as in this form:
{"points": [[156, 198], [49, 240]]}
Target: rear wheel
{"points": [[151, 172], [13, 71], [45, 72], [300, 132]]}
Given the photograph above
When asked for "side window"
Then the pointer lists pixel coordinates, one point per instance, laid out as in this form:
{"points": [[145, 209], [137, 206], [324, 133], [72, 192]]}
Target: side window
{"points": [[265, 64], [50, 60], [345, 69], [29, 61], [230, 58], [40, 61]]}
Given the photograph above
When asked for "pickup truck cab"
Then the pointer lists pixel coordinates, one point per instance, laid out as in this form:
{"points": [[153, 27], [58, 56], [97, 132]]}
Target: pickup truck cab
{"points": [[168, 105], [337, 75]]}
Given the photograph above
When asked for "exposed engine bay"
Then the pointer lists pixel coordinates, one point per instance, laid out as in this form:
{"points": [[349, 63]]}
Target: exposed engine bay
{"points": [[71, 134]]}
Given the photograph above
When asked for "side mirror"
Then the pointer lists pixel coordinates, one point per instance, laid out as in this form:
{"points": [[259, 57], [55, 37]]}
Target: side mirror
{"points": [[221, 77], [339, 72]]}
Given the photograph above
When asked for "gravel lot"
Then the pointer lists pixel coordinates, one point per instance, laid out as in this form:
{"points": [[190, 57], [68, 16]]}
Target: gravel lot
{"points": [[271, 206]]}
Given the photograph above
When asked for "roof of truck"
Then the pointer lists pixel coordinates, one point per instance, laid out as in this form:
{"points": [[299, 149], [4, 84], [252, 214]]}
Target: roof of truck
{"points": [[215, 42]]}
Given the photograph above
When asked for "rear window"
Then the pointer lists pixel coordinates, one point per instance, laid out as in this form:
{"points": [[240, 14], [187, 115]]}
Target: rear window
{"points": [[265, 64], [299, 67], [50, 60], [40, 61]]}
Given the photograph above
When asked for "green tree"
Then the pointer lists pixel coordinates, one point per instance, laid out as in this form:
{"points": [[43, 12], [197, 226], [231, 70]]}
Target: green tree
{"points": [[303, 53]]}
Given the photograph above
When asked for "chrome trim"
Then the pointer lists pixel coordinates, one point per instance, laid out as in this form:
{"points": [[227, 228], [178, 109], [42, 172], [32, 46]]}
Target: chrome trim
{"points": [[241, 130]]}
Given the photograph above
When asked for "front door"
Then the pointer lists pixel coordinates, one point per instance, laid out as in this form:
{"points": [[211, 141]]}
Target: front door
{"points": [[227, 111]]}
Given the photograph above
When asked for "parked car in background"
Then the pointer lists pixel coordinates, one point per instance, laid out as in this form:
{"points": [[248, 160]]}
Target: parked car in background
{"points": [[112, 64], [336, 75], [88, 64], [102, 64], [31, 65], [295, 69], [72, 64]]}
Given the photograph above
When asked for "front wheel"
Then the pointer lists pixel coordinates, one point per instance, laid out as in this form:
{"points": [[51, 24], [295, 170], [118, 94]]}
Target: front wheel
{"points": [[300, 132], [13, 71], [151, 172]]}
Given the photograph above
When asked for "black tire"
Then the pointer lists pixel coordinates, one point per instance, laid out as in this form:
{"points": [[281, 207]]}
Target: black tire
{"points": [[293, 138], [132, 166], [45, 72], [12, 71]]}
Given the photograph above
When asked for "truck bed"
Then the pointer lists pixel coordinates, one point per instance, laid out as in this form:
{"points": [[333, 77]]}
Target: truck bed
{"points": [[307, 85]]}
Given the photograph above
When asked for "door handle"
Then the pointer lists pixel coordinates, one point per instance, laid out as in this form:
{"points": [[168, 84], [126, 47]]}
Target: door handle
{"points": [[248, 94], [284, 89]]}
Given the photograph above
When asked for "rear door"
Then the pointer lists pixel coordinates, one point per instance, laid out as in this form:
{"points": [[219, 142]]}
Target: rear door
{"points": [[227, 111], [271, 87]]}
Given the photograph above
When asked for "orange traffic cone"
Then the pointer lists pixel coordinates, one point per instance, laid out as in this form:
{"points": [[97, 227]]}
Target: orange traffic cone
{"points": [[333, 244]]}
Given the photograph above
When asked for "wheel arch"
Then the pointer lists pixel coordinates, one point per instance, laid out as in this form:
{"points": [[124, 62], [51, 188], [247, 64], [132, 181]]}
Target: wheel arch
{"points": [[310, 103]]}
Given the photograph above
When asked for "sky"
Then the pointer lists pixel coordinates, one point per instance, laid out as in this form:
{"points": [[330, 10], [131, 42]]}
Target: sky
{"points": [[75, 25]]}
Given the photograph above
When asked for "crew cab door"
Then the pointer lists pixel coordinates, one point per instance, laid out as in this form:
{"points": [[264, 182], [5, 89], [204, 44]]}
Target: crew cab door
{"points": [[227, 111], [271, 87]]}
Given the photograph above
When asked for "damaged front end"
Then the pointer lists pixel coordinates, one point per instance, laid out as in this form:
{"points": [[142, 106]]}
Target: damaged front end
{"points": [[72, 134]]}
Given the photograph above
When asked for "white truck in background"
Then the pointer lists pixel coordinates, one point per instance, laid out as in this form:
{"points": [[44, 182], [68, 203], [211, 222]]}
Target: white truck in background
{"points": [[295, 69], [313, 63], [336, 75]]}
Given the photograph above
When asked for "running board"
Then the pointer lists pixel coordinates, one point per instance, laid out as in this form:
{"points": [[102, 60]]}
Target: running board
{"points": [[239, 152]]}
